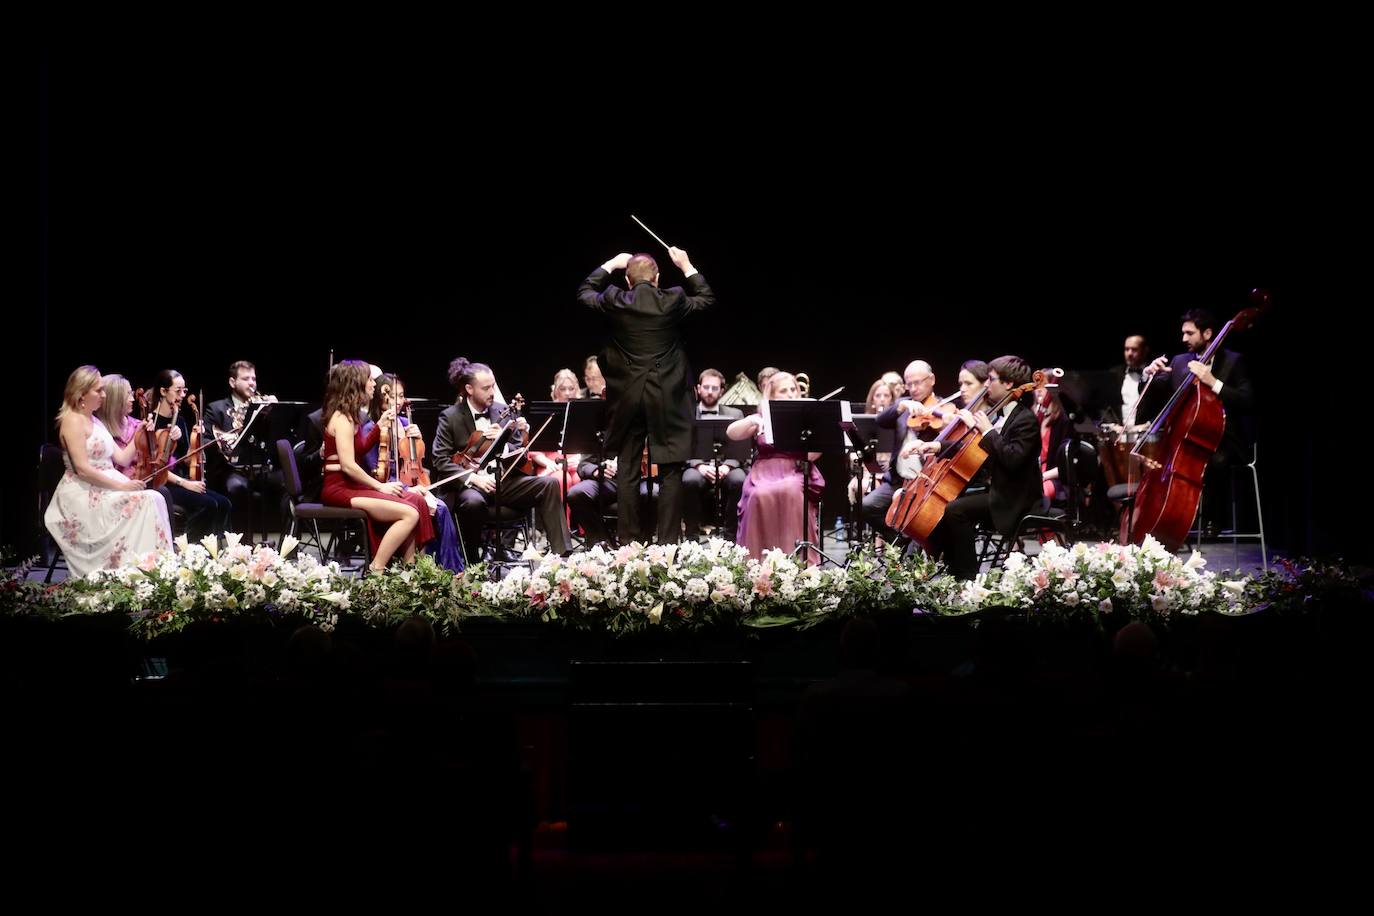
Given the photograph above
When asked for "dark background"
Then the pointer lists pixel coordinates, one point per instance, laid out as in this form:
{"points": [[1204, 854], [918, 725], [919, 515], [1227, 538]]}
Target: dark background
{"points": [[199, 207]]}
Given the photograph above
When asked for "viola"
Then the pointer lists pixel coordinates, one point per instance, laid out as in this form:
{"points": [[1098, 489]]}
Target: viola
{"points": [[412, 471], [383, 469], [195, 455], [933, 417]]}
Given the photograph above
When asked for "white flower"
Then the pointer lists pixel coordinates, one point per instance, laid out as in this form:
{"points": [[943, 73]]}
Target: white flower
{"points": [[288, 544], [1105, 605], [592, 596], [532, 553], [181, 543], [1015, 560], [187, 602], [1159, 603], [656, 613], [211, 545], [1071, 599], [232, 538], [1234, 586], [671, 590], [696, 589], [286, 598]]}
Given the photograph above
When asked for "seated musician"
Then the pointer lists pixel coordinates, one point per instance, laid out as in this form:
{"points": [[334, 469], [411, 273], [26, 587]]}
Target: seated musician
{"points": [[550, 464], [347, 484], [700, 479], [207, 510], [919, 384], [1011, 438], [596, 382], [242, 470], [471, 497], [389, 391], [771, 504], [879, 399]]}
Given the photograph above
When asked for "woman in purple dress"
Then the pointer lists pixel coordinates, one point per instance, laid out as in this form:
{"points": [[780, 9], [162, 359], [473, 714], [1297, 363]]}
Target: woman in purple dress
{"points": [[770, 507]]}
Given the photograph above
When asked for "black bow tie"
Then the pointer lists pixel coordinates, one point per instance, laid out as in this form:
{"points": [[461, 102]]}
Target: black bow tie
{"points": [[705, 412]]}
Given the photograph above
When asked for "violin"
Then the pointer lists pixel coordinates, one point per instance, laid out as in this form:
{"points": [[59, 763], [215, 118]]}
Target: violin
{"points": [[468, 457], [384, 466], [645, 468], [195, 455], [154, 447], [412, 471], [933, 418]]}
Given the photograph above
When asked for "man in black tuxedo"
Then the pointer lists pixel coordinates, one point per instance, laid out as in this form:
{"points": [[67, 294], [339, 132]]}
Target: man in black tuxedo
{"points": [[1225, 374], [647, 384], [1129, 399], [470, 497], [1229, 380], [226, 469], [1011, 437], [699, 480]]}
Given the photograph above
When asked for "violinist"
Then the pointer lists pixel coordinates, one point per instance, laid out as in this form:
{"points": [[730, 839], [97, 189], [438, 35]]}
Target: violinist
{"points": [[908, 416], [471, 498], [241, 470], [879, 399], [550, 464], [347, 484], [207, 510], [1011, 438], [388, 398]]}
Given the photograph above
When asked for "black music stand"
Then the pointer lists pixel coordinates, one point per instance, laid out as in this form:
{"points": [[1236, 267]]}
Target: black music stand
{"points": [[550, 440], [864, 438], [709, 443], [806, 426], [584, 433]]}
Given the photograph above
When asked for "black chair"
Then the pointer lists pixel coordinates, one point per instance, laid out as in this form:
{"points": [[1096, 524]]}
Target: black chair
{"points": [[335, 517], [50, 471]]}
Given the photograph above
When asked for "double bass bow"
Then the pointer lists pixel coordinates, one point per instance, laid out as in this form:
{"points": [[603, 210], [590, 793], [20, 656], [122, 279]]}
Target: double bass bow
{"points": [[1186, 432]]}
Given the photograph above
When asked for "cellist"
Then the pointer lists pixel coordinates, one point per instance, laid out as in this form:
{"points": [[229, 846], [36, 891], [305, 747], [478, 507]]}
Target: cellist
{"points": [[1011, 438]]}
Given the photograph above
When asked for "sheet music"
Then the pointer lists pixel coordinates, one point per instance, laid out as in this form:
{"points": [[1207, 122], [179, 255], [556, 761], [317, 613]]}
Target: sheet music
{"points": [[845, 417]]}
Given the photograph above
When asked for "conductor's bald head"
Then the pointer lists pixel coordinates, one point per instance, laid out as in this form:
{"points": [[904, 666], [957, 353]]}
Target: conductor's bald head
{"points": [[641, 269]]}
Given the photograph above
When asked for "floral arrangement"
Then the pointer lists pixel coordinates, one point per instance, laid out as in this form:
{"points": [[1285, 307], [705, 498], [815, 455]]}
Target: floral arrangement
{"points": [[1147, 582], [166, 590], [677, 587]]}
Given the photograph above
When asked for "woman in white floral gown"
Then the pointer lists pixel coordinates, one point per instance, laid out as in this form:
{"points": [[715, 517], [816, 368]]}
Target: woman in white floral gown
{"points": [[99, 517]]}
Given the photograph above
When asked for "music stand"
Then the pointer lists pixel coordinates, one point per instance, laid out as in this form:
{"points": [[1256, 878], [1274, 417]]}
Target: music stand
{"points": [[710, 443], [806, 426], [864, 437], [536, 412], [584, 433]]}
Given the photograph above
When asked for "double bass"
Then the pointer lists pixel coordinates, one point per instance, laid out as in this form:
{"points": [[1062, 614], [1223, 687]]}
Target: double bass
{"points": [[918, 507], [1188, 431]]}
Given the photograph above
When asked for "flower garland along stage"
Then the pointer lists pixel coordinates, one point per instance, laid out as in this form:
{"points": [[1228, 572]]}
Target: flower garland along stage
{"points": [[680, 587]]}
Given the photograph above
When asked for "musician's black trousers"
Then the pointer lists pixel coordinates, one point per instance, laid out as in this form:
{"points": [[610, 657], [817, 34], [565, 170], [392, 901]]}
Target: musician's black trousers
{"points": [[954, 536], [699, 492], [628, 475]]}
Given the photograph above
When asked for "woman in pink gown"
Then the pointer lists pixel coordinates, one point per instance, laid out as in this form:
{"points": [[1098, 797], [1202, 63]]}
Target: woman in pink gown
{"points": [[770, 507]]}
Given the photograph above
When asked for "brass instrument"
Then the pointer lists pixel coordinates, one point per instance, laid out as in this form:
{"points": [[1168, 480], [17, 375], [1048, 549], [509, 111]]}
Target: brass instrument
{"points": [[803, 383], [743, 392]]}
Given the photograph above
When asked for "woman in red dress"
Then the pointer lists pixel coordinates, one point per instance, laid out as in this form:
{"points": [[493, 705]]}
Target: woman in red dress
{"points": [[346, 484]]}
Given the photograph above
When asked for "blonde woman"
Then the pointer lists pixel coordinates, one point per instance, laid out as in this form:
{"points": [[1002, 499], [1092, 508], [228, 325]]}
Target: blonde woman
{"points": [[771, 504], [100, 518]]}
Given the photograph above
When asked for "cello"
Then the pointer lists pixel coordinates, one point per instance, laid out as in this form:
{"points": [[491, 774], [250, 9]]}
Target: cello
{"points": [[1188, 430], [918, 507]]}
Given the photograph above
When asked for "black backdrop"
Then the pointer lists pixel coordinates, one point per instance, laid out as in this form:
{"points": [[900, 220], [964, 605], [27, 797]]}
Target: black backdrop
{"points": [[198, 208]]}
